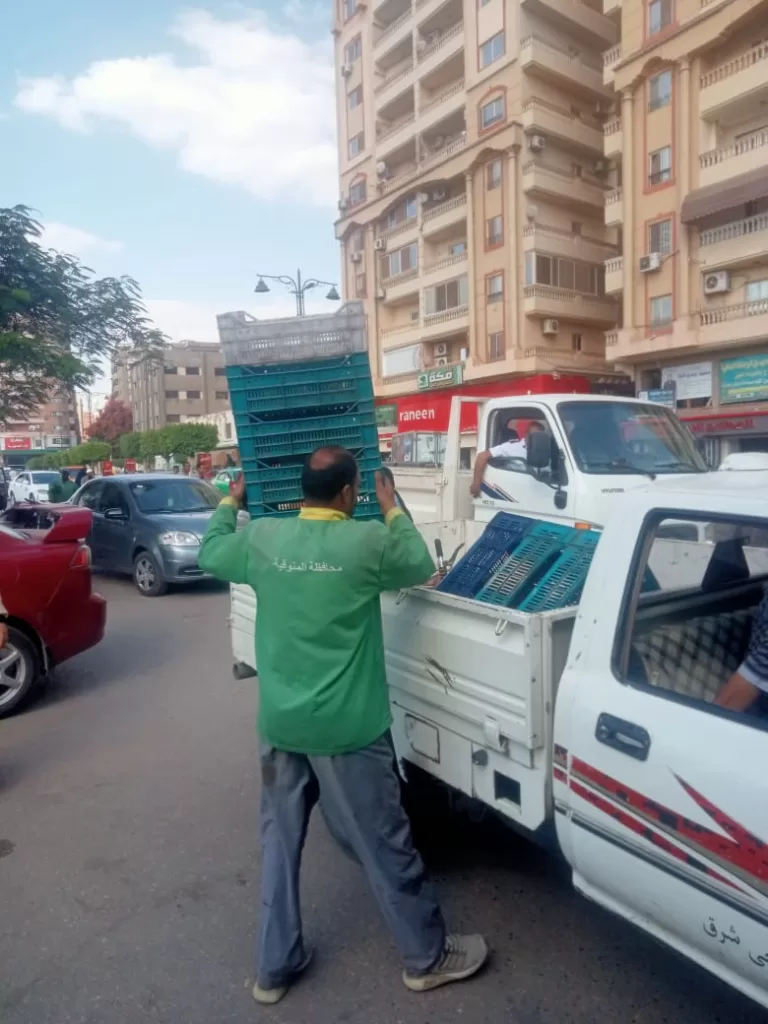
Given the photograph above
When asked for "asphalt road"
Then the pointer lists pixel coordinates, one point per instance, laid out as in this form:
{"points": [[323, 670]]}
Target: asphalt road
{"points": [[129, 869]]}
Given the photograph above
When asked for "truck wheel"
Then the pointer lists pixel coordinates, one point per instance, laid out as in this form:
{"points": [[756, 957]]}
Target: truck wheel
{"points": [[147, 576], [19, 671]]}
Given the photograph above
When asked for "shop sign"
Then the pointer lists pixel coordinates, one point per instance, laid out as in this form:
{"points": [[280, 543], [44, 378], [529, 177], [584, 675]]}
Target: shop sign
{"points": [[386, 416], [688, 382], [440, 377], [107, 469], [719, 426], [660, 396], [130, 465], [17, 444], [744, 379]]}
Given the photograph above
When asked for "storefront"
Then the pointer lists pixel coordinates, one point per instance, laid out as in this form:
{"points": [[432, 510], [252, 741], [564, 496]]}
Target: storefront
{"points": [[722, 433]]}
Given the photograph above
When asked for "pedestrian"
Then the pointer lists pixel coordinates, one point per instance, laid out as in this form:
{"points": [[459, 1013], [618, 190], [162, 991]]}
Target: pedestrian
{"points": [[82, 474], [62, 490], [324, 717]]}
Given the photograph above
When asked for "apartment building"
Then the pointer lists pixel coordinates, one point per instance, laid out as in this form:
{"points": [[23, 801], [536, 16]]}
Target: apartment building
{"points": [[472, 188], [688, 147], [53, 427], [188, 380]]}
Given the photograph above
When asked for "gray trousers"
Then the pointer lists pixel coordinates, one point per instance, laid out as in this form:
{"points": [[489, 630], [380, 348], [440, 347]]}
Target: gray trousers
{"points": [[359, 795]]}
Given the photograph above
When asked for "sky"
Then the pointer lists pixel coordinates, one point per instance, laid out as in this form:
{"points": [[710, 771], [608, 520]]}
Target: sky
{"points": [[191, 146]]}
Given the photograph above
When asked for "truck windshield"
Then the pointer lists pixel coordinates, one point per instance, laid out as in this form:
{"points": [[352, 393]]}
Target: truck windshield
{"points": [[628, 437]]}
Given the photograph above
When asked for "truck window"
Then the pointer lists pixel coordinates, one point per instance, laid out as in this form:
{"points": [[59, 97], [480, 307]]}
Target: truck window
{"points": [[694, 610], [509, 429]]}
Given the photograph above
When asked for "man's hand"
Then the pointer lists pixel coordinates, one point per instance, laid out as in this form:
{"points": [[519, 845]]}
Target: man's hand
{"points": [[385, 493], [475, 489], [237, 488], [3, 634]]}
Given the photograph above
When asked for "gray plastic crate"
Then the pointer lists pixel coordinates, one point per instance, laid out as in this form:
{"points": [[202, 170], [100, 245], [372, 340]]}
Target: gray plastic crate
{"points": [[248, 341]]}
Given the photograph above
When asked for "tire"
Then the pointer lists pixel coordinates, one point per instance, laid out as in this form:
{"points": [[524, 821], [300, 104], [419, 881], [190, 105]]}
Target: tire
{"points": [[19, 671], [147, 576]]}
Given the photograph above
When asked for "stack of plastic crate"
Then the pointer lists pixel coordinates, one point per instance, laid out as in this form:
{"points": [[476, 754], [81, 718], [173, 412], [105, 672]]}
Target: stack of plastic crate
{"points": [[296, 384]]}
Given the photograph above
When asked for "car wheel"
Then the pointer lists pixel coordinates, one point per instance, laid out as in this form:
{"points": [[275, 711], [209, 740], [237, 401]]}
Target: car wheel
{"points": [[147, 576], [19, 671]]}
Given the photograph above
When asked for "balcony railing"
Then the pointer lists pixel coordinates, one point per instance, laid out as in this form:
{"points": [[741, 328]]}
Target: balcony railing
{"points": [[447, 261], [453, 91], [754, 55], [559, 52], [611, 338], [550, 229], [401, 328], [561, 355], [393, 27], [611, 127], [615, 196], [412, 170], [403, 225], [757, 140], [395, 128], [614, 266], [727, 313], [566, 115], [442, 154], [446, 207], [610, 57], [399, 71], [736, 229], [446, 37], [445, 316], [401, 277]]}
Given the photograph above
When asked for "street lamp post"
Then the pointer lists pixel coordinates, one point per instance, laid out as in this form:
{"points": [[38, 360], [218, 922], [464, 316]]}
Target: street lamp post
{"points": [[296, 287]]}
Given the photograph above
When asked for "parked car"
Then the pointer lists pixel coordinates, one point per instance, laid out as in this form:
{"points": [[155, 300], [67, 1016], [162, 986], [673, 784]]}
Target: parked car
{"points": [[33, 485], [45, 584], [149, 526]]}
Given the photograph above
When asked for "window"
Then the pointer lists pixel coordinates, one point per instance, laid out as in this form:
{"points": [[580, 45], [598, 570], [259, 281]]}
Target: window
{"points": [[173, 418], [446, 296], [492, 113], [227, 431], [357, 241], [659, 15], [193, 395], [401, 260], [660, 90], [183, 494], [493, 175], [355, 98], [577, 342], [354, 50], [492, 49], [458, 249], [357, 192], [496, 346], [89, 496], [220, 371], [494, 288], [661, 310], [114, 499], [192, 371], [494, 230], [560, 272], [757, 291], [348, 7], [356, 145], [660, 166], [660, 237], [402, 212], [222, 396], [171, 394], [171, 369], [360, 291]]}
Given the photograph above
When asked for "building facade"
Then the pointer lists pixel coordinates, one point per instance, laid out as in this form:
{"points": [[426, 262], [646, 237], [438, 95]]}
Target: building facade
{"points": [[54, 427], [472, 187], [688, 150], [188, 380]]}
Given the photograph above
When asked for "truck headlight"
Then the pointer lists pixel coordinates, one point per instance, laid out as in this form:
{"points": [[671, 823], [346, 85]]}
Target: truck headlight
{"points": [[179, 539]]}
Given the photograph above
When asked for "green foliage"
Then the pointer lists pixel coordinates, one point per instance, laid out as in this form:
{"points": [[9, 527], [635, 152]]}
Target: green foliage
{"points": [[89, 451], [179, 441], [130, 446], [36, 462]]}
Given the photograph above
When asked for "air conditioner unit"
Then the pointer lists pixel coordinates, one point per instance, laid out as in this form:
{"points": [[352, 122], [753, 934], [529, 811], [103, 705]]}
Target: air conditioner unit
{"points": [[531, 212], [650, 262], [343, 204], [536, 143], [381, 168], [438, 195], [441, 349], [346, 70], [356, 257], [439, 142], [381, 294], [380, 245], [423, 197], [441, 361], [550, 326], [716, 284]]}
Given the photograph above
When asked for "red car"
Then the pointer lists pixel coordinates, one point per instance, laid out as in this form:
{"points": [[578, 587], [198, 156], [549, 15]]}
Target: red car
{"points": [[45, 586]]}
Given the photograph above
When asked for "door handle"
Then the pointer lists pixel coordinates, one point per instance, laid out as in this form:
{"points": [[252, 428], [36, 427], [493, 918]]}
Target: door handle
{"points": [[626, 737]]}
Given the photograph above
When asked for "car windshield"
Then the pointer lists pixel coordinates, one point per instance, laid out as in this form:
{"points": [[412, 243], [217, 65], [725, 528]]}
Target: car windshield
{"points": [[44, 478], [628, 437], [182, 495]]}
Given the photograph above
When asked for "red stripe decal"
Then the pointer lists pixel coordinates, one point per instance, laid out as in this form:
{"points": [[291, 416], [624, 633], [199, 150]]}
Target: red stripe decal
{"points": [[560, 775]]}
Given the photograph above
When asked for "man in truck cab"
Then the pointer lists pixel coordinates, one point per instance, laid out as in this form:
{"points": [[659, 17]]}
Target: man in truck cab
{"points": [[510, 447], [324, 715], [747, 689]]}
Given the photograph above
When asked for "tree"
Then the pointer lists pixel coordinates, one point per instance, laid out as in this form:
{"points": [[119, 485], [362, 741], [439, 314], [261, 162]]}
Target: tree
{"points": [[184, 440], [89, 451], [57, 321], [113, 421], [130, 446]]}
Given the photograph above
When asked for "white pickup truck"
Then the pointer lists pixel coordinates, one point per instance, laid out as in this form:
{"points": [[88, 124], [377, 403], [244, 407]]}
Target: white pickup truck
{"points": [[598, 719]]}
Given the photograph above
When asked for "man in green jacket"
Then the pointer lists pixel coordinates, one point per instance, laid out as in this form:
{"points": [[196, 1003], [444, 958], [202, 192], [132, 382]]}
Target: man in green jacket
{"points": [[61, 490], [324, 715]]}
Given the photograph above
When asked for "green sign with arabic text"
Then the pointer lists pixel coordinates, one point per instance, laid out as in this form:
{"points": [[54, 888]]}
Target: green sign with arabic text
{"points": [[386, 416], [744, 379], [440, 377]]}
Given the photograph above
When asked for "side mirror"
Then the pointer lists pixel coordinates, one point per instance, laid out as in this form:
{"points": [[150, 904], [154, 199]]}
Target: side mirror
{"points": [[538, 449], [116, 514]]}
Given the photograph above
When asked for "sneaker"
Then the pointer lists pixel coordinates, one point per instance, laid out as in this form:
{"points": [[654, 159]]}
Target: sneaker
{"points": [[270, 996], [462, 957]]}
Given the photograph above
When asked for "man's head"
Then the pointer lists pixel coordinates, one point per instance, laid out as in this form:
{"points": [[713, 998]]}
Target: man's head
{"points": [[176, 470], [331, 479], [534, 427], [509, 431], [64, 475]]}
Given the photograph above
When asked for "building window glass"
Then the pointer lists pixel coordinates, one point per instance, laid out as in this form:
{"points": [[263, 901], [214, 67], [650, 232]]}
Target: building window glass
{"points": [[356, 145], [171, 369], [458, 249], [494, 230], [357, 241], [446, 296], [492, 113], [577, 342], [757, 291], [222, 396], [661, 310], [192, 395], [403, 212], [494, 288], [192, 371], [353, 51], [355, 98], [660, 237], [659, 15], [496, 346], [171, 394], [492, 49], [660, 166], [171, 418], [401, 260], [493, 175], [660, 91], [360, 286], [560, 272], [357, 192], [220, 371], [349, 7]]}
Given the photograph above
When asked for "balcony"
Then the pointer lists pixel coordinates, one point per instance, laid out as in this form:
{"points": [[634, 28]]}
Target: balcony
{"points": [[542, 300], [736, 87], [401, 286], [399, 78], [581, 21], [441, 325], [546, 359], [610, 59], [613, 139], [405, 227], [562, 242], [734, 325], [408, 333], [611, 340], [611, 8], [437, 156], [740, 242], [446, 215], [558, 123], [448, 102], [561, 67], [442, 270], [394, 33], [614, 276], [747, 154], [553, 183], [395, 136], [441, 49], [614, 208]]}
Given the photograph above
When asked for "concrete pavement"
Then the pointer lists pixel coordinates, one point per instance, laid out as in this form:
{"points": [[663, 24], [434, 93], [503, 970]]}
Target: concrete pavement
{"points": [[129, 869]]}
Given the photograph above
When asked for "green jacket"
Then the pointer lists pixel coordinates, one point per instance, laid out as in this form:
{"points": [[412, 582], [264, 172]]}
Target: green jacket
{"points": [[319, 647], [61, 490]]}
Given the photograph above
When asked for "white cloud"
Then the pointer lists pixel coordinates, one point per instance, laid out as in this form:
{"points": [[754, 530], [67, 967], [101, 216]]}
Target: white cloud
{"points": [[75, 241], [252, 105]]}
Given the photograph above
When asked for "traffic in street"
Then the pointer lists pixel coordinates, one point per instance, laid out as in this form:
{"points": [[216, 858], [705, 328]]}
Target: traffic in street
{"points": [[129, 864]]}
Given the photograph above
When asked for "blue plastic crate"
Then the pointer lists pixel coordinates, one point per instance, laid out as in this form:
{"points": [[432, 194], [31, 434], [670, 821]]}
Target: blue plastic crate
{"points": [[526, 565], [499, 539], [290, 470], [269, 391], [285, 438], [563, 583], [287, 489]]}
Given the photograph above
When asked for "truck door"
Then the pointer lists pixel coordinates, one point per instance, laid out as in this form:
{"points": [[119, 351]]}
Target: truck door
{"points": [[661, 796]]}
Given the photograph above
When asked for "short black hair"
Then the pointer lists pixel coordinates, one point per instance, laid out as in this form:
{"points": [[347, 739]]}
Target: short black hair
{"points": [[65, 474], [327, 472]]}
